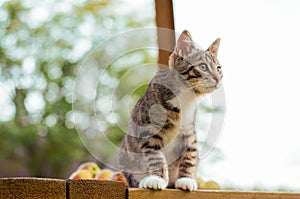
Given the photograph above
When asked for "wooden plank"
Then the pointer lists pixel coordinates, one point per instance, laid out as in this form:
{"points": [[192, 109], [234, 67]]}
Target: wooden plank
{"points": [[95, 189], [205, 194], [166, 39], [24, 188]]}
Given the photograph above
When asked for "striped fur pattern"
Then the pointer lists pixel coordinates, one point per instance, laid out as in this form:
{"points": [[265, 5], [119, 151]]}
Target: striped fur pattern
{"points": [[160, 147]]}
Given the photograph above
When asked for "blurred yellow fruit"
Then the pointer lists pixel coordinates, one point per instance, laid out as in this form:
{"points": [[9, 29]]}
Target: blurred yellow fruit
{"points": [[199, 183], [207, 185], [104, 174], [81, 174], [90, 166], [210, 185]]}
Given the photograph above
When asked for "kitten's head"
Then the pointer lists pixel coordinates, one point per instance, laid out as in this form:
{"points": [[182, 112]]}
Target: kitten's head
{"points": [[199, 67]]}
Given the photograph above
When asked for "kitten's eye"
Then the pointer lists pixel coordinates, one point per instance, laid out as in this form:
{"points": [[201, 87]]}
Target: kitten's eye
{"points": [[203, 67], [219, 67]]}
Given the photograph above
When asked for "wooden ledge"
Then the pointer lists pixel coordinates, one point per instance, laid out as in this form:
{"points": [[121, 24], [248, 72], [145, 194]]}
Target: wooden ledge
{"points": [[25, 188], [32, 188], [206, 194], [93, 189]]}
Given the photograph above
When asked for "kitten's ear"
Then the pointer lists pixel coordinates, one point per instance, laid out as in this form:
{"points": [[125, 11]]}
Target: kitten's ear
{"points": [[184, 44], [214, 47]]}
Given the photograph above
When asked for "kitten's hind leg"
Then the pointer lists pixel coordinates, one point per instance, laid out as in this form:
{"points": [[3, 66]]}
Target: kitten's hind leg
{"points": [[156, 165]]}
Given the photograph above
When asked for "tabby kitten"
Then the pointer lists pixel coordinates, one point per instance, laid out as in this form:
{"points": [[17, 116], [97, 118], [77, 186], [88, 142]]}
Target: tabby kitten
{"points": [[160, 147]]}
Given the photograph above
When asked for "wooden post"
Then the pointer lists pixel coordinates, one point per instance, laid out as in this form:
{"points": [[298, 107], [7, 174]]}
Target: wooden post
{"points": [[166, 42]]}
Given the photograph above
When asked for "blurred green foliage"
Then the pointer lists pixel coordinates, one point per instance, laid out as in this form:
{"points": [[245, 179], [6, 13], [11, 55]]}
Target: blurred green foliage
{"points": [[41, 46]]}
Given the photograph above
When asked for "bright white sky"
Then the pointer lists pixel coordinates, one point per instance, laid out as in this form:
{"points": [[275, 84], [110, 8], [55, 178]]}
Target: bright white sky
{"points": [[259, 52]]}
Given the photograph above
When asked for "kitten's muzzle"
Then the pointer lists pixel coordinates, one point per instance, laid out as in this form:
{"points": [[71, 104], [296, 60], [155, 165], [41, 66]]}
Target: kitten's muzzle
{"points": [[218, 80], [219, 84], [212, 82]]}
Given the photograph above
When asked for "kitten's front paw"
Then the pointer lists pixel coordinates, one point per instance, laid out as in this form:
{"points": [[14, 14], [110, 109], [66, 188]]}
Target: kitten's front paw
{"points": [[188, 184], [153, 182]]}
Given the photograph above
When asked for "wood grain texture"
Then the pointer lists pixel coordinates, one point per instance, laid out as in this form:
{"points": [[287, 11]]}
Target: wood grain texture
{"points": [[24, 188], [166, 39], [172, 194], [95, 189]]}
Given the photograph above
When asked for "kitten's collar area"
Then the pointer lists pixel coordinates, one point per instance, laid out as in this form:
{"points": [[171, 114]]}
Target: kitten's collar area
{"points": [[186, 129]]}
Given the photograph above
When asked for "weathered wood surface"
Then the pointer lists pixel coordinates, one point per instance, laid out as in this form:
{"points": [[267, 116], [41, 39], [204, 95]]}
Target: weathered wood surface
{"points": [[23, 188], [95, 189], [172, 194]]}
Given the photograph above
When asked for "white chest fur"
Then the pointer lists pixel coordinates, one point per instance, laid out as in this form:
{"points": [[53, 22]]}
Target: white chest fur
{"points": [[187, 102]]}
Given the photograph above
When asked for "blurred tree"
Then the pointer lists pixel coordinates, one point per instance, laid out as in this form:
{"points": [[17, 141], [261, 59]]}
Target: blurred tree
{"points": [[41, 45]]}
